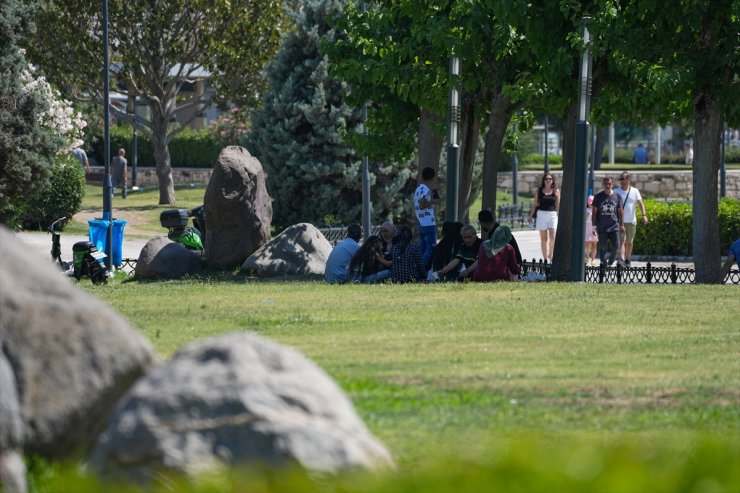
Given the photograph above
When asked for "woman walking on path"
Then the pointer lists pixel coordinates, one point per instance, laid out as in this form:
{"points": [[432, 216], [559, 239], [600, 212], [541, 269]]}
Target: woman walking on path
{"points": [[546, 206]]}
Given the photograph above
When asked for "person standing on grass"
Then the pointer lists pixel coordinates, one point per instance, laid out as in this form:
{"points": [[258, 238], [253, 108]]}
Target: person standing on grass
{"points": [[608, 221], [407, 265], [119, 173], [337, 265], [546, 206], [630, 198], [425, 198]]}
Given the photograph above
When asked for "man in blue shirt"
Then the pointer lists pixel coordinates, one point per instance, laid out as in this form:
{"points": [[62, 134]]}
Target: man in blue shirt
{"points": [[337, 265], [641, 155]]}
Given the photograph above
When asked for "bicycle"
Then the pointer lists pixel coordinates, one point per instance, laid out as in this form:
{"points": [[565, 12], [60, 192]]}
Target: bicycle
{"points": [[56, 246]]}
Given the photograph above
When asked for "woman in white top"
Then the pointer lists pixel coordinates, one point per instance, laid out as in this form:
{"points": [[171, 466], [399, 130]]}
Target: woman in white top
{"points": [[546, 206]]}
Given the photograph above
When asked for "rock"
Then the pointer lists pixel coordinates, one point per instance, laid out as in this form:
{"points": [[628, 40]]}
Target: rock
{"points": [[238, 209], [12, 467], [71, 355], [162, 258], [237, 399], [300, 249]]}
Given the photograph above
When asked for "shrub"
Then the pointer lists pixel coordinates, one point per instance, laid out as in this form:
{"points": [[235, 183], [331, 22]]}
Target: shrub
{"points": [[188, 149], [670, 229], [539, 159], [61, 197]]}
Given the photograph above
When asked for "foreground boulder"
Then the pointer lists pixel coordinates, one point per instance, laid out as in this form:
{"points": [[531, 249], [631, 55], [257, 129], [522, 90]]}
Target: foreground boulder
{"points": [[234, 400], [12, 467], [237, 207], [70, 355], [162, 258], [300, 249]]}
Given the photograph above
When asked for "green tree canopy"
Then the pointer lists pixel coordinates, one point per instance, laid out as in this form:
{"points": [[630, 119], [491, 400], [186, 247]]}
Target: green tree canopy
{"points": [[157, 48]]}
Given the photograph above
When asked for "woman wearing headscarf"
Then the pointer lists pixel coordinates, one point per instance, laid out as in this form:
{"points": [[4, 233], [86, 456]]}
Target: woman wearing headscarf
{"points": [[496, 258], [387, 238]]}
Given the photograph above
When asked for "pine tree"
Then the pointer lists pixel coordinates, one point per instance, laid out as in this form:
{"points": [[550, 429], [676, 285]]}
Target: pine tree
{"points": [[298, 134], [26, 148]]}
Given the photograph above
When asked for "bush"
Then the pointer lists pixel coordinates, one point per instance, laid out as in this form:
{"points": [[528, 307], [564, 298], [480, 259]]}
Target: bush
{"points": [[539, 159], [61, 197], [188, 149], [670, 229]]}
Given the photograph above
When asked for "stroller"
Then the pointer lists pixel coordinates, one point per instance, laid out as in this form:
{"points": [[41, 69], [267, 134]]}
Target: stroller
{"points": [[176, 221]]}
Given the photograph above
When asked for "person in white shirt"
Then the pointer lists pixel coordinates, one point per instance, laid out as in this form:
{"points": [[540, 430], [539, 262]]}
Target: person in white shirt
{"points": [[630, 198], [425, 198]]}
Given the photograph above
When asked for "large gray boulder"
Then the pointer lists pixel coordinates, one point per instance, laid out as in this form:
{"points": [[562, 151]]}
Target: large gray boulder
{"points": [[300, 249], [71, 356], [162, 258], [12, 467], [238, 209], [237, 399]]}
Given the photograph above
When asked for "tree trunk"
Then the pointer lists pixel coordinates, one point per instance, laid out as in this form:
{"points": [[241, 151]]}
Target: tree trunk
{"points": [[708, 122], [430, 141], [160, 143], [502, 110], [469, 130], [563, 247]]}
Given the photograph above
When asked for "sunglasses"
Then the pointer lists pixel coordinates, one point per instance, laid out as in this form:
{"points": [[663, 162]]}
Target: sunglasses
{"points": [[623, 178], [548, 179]]}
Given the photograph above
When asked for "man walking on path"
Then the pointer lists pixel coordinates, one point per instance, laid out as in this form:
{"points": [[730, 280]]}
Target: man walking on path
{"points": [[79, 153], [608, 220], [119, 172], [424, 201], [337, 265], [630, 198]]}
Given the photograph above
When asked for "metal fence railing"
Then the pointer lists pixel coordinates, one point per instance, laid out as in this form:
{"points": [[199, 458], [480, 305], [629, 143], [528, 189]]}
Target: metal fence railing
{"points": [[648, 274]]}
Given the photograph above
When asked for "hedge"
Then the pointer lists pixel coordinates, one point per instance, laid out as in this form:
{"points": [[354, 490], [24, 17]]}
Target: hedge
{"points": [[188, 149], [61, 197], [669, 232]]}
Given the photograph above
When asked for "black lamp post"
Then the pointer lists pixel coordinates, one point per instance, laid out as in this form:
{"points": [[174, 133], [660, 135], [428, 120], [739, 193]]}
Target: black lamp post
{"points": [[107, 184], [453, 150], [577, 257]]}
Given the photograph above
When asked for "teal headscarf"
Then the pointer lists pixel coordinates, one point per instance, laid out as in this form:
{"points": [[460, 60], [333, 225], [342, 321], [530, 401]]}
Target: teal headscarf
{"points": [[498, 241]]}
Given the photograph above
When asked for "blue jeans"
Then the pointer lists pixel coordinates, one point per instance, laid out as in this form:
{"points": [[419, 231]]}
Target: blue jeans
{"points": [[606, 237], [373, 278], [427, 242]]}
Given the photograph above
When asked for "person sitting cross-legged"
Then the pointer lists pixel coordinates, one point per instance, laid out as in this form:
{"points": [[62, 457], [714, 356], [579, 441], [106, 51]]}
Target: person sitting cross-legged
{"points": [[337, 265], [366, 266], [496, 258], [466, 256], [407, 265]]}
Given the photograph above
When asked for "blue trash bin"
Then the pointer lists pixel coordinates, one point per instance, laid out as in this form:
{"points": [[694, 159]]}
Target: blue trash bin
{"points": [[98, 233]]}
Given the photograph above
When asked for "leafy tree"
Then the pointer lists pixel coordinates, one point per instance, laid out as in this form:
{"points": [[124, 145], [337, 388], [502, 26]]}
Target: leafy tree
{"points": [[26, 145], [157, 48], [299, 133], [696, 43]]}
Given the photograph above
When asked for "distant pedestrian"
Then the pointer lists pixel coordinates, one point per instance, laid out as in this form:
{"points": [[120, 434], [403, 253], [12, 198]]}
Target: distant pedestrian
{"points": [[592, 239], [337, 265], [640, 155], [425, 198], [79, 153], [630, 198], [546, 207], [119, 173], [608, 221], [407, 263], [689, 154]]}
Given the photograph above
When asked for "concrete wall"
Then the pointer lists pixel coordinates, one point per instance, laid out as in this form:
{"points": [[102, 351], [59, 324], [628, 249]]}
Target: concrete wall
{"points": [[668, 184]]}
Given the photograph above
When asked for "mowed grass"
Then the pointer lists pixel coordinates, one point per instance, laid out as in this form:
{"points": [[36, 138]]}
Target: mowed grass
{"points": [[531, 378]]}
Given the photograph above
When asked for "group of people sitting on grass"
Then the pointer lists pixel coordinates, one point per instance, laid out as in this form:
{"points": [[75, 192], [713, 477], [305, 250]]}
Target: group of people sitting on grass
{"points": [[459, 255]]}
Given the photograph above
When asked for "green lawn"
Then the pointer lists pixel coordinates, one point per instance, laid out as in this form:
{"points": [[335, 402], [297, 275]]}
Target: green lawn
{"points": [[501, 387]]}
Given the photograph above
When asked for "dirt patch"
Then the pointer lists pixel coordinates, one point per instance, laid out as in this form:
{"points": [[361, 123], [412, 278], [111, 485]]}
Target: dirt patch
{"points": [[134, 219]]}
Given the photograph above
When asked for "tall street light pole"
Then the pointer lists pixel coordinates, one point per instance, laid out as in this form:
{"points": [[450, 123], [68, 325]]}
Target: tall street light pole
{"points": [[453, 150], [366, 210], [107, 184], [577, 268]]}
